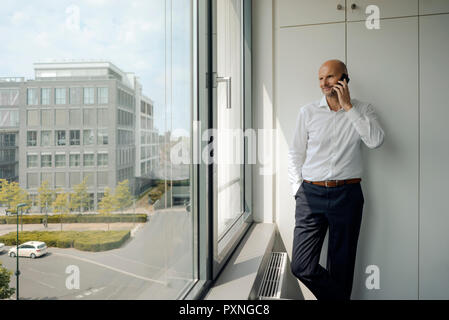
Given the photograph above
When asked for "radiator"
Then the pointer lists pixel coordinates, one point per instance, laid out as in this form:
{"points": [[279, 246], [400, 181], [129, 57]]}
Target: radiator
{"points": [[273, 278]]}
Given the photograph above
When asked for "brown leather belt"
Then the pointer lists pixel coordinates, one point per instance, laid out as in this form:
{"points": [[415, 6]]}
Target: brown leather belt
{"points": [[334, 183]]}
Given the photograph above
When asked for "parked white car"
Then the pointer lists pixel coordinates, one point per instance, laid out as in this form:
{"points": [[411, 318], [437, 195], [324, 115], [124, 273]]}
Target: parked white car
{"points": [[2, 246], [30, 249]]}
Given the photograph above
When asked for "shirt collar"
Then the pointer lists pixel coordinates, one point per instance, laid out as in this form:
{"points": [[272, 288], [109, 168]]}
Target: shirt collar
{"points": [[323, 103]]}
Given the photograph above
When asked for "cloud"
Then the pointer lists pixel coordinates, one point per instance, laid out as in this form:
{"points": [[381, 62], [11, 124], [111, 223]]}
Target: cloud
{"points": [[18, 18]]}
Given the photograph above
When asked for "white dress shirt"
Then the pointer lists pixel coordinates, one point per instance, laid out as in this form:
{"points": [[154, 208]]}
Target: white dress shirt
{"points": [[326, 144]]}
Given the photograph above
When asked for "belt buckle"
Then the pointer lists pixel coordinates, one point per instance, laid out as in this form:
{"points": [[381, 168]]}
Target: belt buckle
{"points": [[325, 182]]}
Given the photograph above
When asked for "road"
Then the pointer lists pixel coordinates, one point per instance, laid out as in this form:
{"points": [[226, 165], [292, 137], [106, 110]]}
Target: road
{"points": [[155, 264]]}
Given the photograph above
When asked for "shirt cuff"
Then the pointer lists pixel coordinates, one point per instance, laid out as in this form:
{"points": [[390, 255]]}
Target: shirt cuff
{"points": [[353, 114]]}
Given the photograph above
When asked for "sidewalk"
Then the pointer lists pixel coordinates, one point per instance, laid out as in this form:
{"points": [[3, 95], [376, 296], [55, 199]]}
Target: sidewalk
{"points": [[6, 228]]}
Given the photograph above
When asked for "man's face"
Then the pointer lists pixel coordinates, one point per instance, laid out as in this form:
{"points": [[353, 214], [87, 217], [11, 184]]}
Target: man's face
{"points": [[329, 75]]}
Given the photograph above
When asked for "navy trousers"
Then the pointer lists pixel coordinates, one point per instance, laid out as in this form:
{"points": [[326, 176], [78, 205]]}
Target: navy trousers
{"points": [[317, 209]]}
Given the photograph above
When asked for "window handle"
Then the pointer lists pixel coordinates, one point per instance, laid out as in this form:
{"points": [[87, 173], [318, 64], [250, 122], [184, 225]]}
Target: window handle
{"points": [[228, 91]]}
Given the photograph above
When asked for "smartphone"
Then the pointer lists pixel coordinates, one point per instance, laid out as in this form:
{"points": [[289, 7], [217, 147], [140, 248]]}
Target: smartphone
{"points": [[343, 77]]}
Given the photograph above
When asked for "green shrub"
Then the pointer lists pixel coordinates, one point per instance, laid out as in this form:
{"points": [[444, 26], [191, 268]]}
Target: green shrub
{"points": [[82, 240], [75, 218]]}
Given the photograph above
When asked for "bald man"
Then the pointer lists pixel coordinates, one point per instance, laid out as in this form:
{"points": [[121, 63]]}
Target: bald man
{"points": [[325, 168]]}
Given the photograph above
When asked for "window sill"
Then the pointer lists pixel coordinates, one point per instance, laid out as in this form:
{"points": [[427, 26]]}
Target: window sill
{"points": [[240, 277]]}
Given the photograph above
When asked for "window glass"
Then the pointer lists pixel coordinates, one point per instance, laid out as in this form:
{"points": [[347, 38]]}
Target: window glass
{"points": [[103, 136], [75, 117], [74, 137], [108, 57], [9, 97], [60, 137], [47, 176], [89, 96], [102, 178], [60, 96], [32, 138], [45, 160], [45, 96], [88, 137], [75, 178], [102, 159], [88, 160], [75, 95], [47, 118], [60, 160], [61, 117], [60, 179], [46, 138], [75, 160], [31, 160], [32, 97], [89, 117], [103, 116], [103, 95], [33, 118]]}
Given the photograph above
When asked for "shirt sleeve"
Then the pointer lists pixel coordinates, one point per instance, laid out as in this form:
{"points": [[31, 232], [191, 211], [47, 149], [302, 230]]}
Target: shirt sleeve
{"points": [[297, 153], [367, 126]]}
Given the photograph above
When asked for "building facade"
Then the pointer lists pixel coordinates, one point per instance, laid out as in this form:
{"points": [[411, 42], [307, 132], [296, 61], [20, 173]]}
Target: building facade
{"points": [[78, 121], [9, 127]]}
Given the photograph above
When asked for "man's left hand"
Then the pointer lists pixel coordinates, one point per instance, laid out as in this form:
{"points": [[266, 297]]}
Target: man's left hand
{"points": [[343, 94]]}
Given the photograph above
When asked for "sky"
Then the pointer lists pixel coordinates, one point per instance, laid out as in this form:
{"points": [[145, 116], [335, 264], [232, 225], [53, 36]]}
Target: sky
{"points": [[147, 37]]}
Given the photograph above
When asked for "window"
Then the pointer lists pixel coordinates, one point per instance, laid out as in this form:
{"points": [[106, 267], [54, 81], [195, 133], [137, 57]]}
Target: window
{"points": [[60, 138], [32, 138], [9, 118], [102, 136], [75, 160], [89, 96], [32, 97], [60, 180], [75, 117], [31, 160], [90, 178], [88, 137], [47, 118], [61, 117], [45, 96], [9, 97], [102, 159], [74, 137], [103, 117], [46, 138], [88, 160], [60, 96], [91, 87], [102, 179], [75, 96], [89, 117], [45, 160], [75, 178], [103, 95], [47, 176], [32, 180], [33, 118], [60, 160]]}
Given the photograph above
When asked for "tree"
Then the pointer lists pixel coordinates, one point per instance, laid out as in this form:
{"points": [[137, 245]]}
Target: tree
{"points": [[61, 204], [12, 195], [5, 290], [45, 196], [108, 203], [123, 195], [79, 198]]}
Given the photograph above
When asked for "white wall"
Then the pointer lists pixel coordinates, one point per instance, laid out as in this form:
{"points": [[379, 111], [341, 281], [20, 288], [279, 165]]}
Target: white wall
{"points": [[398, 69]]}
